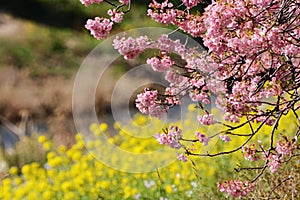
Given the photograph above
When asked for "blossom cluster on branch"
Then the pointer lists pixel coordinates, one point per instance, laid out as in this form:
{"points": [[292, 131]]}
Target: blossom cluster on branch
{"points": [[100, 27], [251, 71]]}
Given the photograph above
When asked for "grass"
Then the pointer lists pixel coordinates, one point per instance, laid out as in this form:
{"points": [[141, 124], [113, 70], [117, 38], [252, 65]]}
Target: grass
{"points": [[46, 51]]}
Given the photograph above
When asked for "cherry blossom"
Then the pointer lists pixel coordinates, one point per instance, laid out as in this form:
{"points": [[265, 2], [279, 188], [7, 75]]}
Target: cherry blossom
{"points": [[202, 138], [171, 138], [160, 64], [115, 16], [182, 157], [129, 47], [284, 146], [206, 119], [250, 152], [148, 103], [125, 2], [225, 138], [274, 162], [190, 3], [236, 188], [250, 71], [100, 27], [89, 2]]}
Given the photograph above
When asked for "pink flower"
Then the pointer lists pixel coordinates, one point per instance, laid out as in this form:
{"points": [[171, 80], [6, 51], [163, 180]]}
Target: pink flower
{"points": [[162, 12], [285, 147], [182, 157], [236, 188], [171, 138], [206, 119], [115, 16], [130, 48], [148, 103], [197, 95], [175, 79], [125, 2], [190, 3], [202, 138], [249, 152], [225, 138], [160, 64], [172, 96], [100, 27], [89, 2], [274, 162], [162, 138]]}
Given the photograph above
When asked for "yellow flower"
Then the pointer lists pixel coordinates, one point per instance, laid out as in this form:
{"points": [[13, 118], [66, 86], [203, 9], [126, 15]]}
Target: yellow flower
{"points": [[13, 171], [97, 132], [47, 145], [103, 127], [79, 137], [66, 186], [62, 149], [51, 155], [93, 127], [127, 192], [18, 180], [56, 161], [69, 196], [47, 195], [76, 156], [169, 189], [26, 169], [6, 182], [105, 184], [117, 126], [42, 139], [32, 195]]}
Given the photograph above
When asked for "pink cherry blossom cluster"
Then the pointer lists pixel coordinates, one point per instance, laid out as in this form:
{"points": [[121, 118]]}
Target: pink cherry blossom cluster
{"points": [[130, 48], [190, 3], [172, 97], [182, 157], [100, 27], [250, 152], [149, 103], [162, 12], [166, 13], [175, 79], [274, 162], [225, 138], [124, 2], [252, 43], [206, 119], [172, 138], [89, 2], [161, 64], [202, 138], [115, 15], [236, 188], [284, 146], [179, 85]]}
